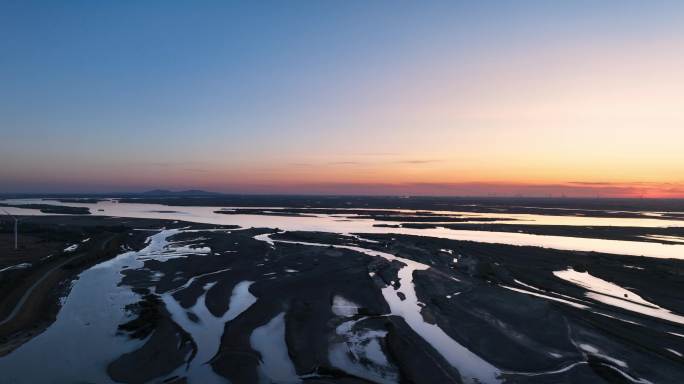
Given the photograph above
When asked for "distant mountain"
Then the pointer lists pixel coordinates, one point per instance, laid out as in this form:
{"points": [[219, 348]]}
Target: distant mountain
{"points": [[190, 192]]}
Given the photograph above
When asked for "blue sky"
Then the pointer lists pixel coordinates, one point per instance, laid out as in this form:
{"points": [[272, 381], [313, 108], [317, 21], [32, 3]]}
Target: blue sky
{"points": [[246, 96]]}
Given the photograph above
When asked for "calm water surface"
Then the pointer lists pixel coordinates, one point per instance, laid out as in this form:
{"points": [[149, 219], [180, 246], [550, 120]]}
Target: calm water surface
{"points": [[337, 224]]}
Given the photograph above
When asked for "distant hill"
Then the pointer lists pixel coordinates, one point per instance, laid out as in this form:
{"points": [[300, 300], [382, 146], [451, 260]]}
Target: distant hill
{"points": [[190, 192]]}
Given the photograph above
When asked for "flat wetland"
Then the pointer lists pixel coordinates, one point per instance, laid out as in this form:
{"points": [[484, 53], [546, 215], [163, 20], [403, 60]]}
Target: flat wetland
{"points": [[280, 289]]}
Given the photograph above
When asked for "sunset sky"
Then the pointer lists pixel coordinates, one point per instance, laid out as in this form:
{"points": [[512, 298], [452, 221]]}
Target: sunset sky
{"points": [[536, 98]]}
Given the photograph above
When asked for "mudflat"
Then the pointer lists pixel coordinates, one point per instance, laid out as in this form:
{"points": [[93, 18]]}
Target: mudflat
{"points": [[209, 302]]}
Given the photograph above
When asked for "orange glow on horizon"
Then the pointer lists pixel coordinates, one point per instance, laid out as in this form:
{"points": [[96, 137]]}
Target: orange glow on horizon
{"points": [[587, 113]]}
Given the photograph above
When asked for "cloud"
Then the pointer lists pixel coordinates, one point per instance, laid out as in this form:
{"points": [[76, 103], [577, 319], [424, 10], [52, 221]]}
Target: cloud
{"points": [[631, 188], [430, 161], [346, 163], [187, 166], [501, 189], [598, 183], [409, 161], [379, 154]]}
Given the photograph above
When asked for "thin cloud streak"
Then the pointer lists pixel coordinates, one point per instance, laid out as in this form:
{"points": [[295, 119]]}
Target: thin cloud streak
{"points": [[626, 190], [370, 163], [417, 162], [499, 189]]}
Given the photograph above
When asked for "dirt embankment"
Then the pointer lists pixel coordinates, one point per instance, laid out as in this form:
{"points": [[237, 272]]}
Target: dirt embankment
{"points": [[56, 250]]}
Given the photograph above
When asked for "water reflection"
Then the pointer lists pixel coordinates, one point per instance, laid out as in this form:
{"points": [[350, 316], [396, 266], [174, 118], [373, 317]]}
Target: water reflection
{"points": [[473, 369], [330, 223]]}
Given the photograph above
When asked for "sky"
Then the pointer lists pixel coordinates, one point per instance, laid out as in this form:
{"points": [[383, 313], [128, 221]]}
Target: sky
{"points": [[533, 98]]}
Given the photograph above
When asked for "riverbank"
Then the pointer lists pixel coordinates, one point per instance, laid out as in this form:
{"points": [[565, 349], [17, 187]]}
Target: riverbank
{"points": [[53, 251], [202, 302]]}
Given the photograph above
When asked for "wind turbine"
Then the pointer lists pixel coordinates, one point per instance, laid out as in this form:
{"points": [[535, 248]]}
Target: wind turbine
{"points": [[16, 229]]}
